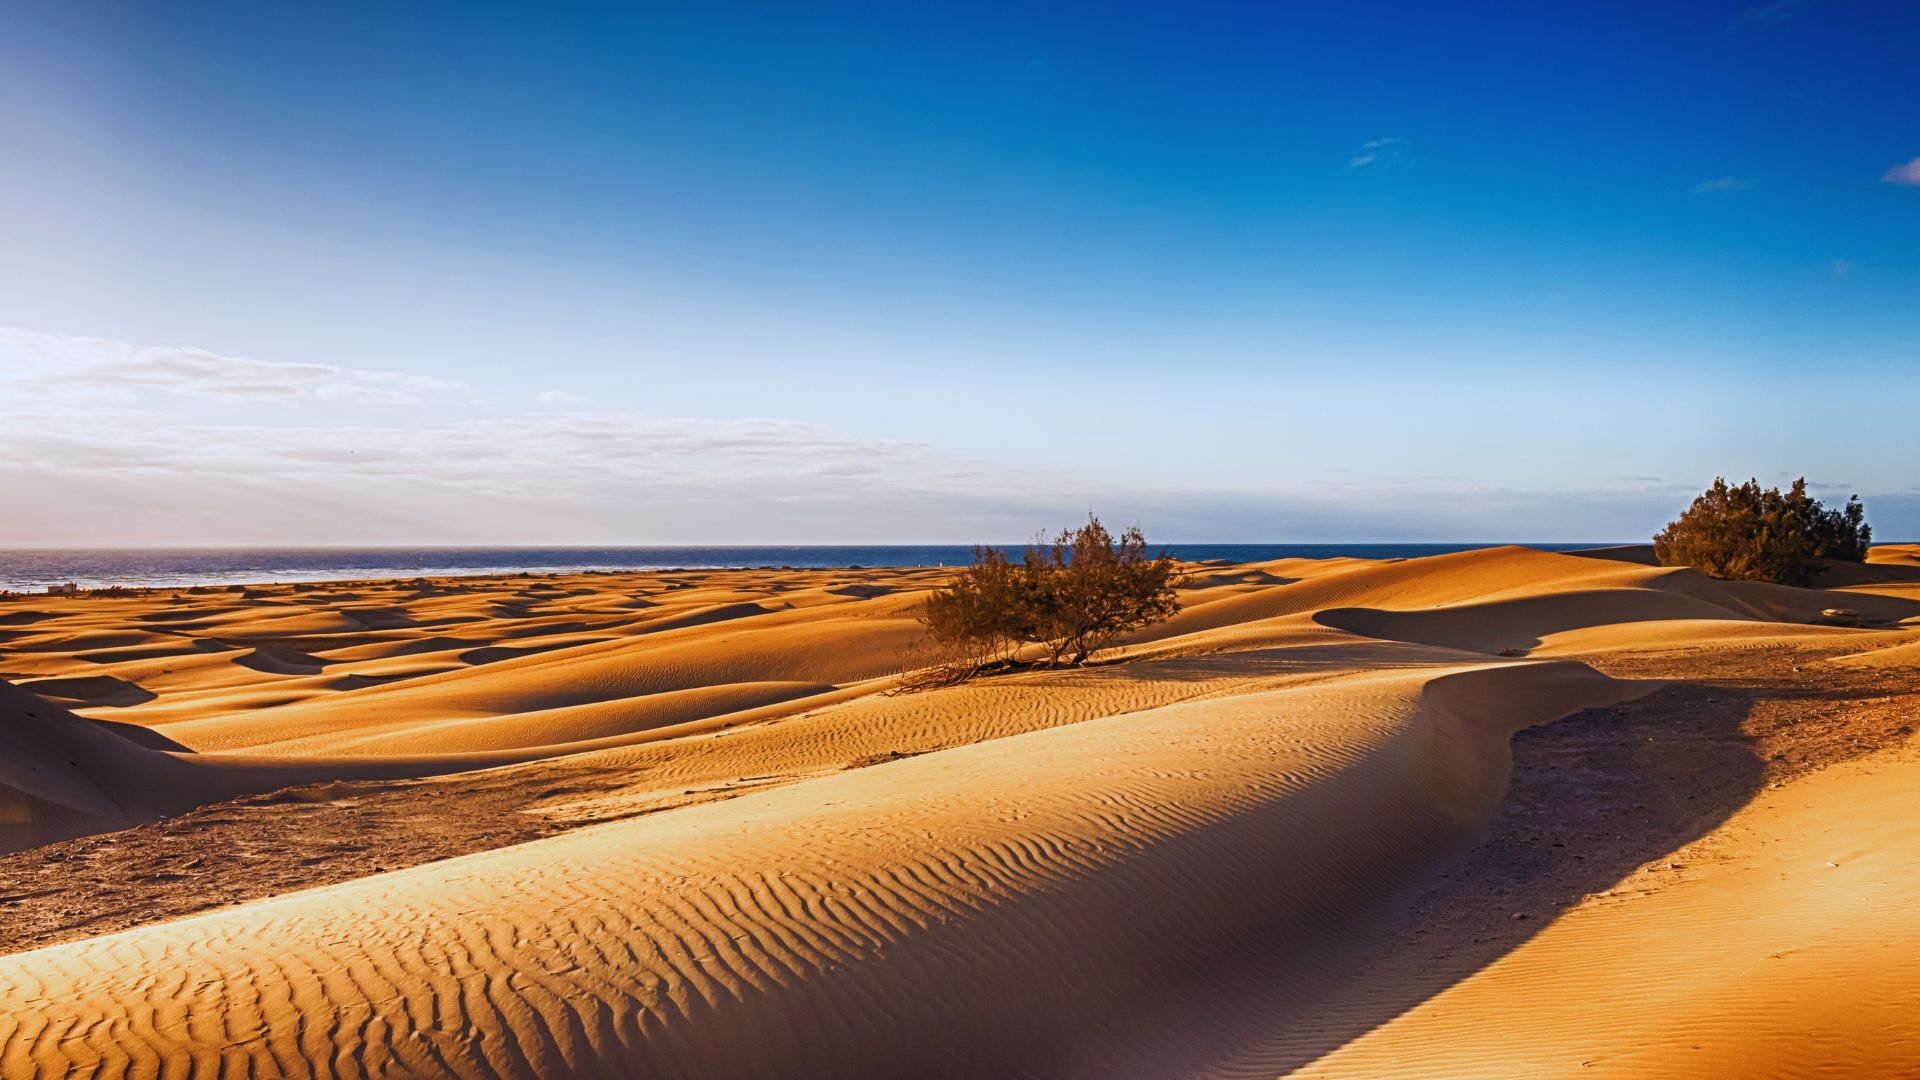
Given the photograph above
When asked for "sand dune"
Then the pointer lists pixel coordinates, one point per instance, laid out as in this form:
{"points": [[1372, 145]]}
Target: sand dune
{"points": [[63, 775], [1195, 861], [1792, 950], [1895, 555], [816, 916], [555, 726]]}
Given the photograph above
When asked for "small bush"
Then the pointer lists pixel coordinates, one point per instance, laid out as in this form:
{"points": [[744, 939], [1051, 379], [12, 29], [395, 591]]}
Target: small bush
{"points": [[1746, 533], [974, 624], [1071, 596]]}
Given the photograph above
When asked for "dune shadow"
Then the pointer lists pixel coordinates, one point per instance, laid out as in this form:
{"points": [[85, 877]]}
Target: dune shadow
{"points": [[1520, 625], [1594, 798], [362, 681], [90, 691], [1367, 654], [1260, 578], [1638, 554], [139, 734], [1513, 626], [437, 643], [491, 654], [274, 660], [184, 615], [379, 618]]}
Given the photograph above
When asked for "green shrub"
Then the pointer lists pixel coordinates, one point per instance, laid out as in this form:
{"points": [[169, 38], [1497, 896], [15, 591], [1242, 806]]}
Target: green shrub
{"points": [[1746, 533]]}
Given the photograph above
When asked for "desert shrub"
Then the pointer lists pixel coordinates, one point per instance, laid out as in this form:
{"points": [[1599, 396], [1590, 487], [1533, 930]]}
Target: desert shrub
{"points": [[1092, 588], [1071, 597], [972, 624], [1745, 532]]}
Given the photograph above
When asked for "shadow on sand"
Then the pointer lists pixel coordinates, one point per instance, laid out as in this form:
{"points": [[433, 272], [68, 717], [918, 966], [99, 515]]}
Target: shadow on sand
{"points": [[1594, 798]]}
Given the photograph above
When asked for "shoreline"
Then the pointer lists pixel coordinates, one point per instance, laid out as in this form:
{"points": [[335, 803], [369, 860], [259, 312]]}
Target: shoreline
{"points": [[19, 589], [28, 572]]}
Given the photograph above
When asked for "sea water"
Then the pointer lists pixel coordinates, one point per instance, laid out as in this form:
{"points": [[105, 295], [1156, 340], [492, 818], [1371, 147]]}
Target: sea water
{"points": [[24, 570]]}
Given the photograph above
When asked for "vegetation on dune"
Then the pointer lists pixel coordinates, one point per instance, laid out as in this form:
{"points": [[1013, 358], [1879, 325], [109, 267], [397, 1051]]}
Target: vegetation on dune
{"points": [[1065, 600], [1744, 532]]}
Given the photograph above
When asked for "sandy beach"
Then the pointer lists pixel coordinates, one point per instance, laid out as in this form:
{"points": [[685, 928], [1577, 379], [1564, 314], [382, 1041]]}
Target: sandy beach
{"points": [[1500, 812]]}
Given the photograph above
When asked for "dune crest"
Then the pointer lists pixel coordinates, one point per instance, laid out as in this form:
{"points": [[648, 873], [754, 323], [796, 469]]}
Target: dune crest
{"points": [[818, 915]]}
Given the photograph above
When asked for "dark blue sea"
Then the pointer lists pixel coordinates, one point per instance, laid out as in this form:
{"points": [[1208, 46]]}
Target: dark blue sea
{"points": [[34, 570]]}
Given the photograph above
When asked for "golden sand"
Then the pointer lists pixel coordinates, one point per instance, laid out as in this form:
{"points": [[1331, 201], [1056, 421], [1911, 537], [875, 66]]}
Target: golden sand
{"points": [[1198, 859]]}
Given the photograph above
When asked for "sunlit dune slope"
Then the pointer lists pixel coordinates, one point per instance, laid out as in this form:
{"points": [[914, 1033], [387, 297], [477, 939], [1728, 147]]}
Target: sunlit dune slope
{"points": [[814, 650], [1034, 895], [1894, 554], [63, 775], [1788, 948]]}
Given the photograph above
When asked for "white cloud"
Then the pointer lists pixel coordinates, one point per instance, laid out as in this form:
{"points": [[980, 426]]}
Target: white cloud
{"points": [[83, 414], [541, 455], [1907, 174], [1390, 150], [50, 362]]}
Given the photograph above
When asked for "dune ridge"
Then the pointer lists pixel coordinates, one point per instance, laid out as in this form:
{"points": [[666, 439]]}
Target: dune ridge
{"points": [[1824, 985], [63, 775], [811, 915]]}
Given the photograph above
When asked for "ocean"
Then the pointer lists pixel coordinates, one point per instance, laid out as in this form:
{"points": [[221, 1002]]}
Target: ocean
{"points": [[26, 570]]}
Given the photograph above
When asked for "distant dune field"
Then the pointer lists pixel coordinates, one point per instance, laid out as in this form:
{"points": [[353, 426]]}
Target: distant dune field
{"points": [[1321, 823]]}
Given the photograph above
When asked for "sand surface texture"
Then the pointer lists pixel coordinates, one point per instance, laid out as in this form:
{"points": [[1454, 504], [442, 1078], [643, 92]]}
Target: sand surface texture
{"points": [[1322, 823]]}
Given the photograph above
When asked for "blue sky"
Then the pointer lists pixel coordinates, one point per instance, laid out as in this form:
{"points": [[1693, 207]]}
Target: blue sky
{"points": [[942, 273]]}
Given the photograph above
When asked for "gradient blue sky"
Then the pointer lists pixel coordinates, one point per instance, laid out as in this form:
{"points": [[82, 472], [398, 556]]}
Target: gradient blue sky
{"points": [[899, 272]]}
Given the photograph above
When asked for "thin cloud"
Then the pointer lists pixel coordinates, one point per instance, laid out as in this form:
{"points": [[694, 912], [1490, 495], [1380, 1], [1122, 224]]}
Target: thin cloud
{"points": [[1724, 183], [1776, 12], [97, 365], [90, 407], [1390, 150], [1842, 267], [1907, 174]]}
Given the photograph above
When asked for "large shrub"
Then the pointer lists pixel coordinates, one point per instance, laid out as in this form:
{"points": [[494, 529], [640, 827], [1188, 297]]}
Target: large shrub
{"points": [[1745, 532], [1069, 597]]}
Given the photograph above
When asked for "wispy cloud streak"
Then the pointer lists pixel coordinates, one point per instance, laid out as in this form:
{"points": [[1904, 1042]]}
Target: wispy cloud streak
{"points": [[1390, 150], [1720, 184], [1906, 173], [32, 361]]}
